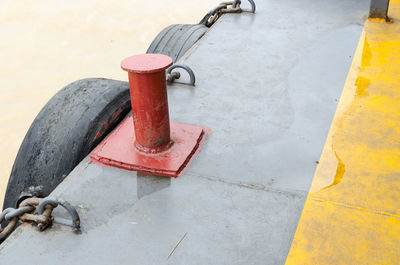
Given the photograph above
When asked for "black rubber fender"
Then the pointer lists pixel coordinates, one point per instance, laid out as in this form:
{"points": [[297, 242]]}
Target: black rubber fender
{"points": [[64, 132], [177, 39]]}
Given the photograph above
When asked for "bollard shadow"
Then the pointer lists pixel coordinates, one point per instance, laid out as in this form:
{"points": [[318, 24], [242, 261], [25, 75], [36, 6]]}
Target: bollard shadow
{"points": [[147, 184]]}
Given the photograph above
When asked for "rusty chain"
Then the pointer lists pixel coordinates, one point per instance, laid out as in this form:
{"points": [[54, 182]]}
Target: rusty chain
{"points": [[223, 8], [37, 211]]}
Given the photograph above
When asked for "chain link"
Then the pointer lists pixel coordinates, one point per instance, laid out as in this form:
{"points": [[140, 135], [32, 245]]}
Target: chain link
{"points": [[37, 211], [223, 8]]}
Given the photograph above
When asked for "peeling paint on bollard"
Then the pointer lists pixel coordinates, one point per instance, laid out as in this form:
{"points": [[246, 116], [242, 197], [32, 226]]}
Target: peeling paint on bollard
{"points": [[147, 142]]}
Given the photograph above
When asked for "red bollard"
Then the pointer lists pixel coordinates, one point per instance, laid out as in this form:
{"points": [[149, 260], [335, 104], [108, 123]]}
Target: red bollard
{"points": [[148, 142], [148, 88]]}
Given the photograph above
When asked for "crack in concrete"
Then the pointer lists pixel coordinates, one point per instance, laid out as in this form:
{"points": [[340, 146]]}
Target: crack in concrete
{"points": [[356, 207], [294, 193]]}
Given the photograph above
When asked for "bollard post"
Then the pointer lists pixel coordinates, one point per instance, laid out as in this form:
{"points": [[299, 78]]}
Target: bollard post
{"points": [[148, 142], [148, 88]]}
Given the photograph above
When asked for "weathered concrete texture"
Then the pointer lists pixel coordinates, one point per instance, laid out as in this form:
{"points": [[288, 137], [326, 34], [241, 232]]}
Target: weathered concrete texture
{"points": [[143, 220], [267, 86]]}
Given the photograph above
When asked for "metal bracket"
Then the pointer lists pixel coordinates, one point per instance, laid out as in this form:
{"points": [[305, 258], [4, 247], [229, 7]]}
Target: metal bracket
{"points": [[173, 76], [75, 220], [379, 9]]}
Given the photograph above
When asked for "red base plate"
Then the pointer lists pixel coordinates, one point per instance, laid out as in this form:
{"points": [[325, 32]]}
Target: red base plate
{"points": [[117, 150]]}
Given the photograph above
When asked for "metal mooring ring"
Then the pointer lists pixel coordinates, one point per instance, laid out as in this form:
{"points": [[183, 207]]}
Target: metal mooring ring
{"points": [[75, 222], [187, 69], [253, 6]]}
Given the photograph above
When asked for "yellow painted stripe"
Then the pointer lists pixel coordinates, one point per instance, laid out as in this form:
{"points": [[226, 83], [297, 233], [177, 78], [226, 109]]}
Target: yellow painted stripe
{"points": [[352, 213]]}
